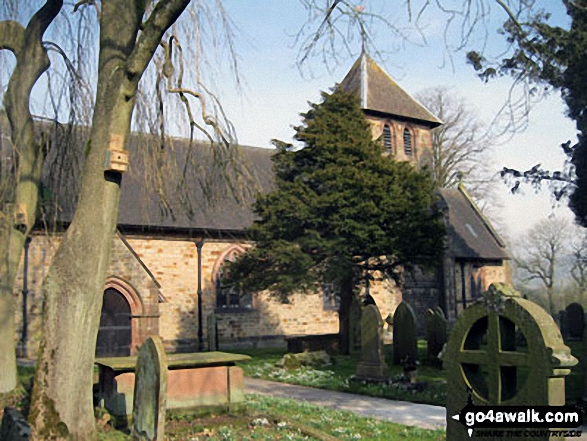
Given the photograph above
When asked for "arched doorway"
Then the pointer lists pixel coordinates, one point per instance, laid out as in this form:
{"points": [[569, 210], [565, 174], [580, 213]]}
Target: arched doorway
{"points": [[115, 333]]}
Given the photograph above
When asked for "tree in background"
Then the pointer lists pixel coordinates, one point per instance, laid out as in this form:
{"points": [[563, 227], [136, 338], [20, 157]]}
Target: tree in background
{"points": [[461, 146], [550, 57], [541, 254], [339, 204]]}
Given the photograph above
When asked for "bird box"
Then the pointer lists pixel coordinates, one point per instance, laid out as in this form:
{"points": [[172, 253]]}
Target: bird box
{"points": [[21, 218], [116, 160]]}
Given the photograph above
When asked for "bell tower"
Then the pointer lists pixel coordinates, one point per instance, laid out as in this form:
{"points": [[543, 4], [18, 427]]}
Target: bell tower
{"points": [[397, 119]]}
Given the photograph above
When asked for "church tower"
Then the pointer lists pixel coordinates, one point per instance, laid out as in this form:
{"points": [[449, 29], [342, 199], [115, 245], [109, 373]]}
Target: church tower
{"points": [[401, 123]]}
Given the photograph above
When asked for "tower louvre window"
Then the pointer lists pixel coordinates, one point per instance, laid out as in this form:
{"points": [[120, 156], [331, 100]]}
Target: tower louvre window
{"points": [[407, 142], [387, 138]]}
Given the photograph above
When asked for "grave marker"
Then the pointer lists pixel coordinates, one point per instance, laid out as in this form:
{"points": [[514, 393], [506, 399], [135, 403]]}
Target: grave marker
{"points": [[575, 321], [405, 343], [372, 364], [436, 333], [510, 352], [150, 392]]}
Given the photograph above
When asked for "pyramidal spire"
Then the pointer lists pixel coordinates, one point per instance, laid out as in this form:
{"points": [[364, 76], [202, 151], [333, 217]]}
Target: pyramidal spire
{"points": [[380, 94]]}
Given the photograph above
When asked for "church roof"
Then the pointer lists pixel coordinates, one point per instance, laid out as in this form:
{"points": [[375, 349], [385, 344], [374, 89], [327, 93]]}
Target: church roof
{"points": [[381, 94], [470, 235]]}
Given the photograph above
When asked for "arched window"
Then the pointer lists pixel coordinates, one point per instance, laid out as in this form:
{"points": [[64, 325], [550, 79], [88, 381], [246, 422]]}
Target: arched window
{"points": [[387, 138], [408, 142], [229, 294]]}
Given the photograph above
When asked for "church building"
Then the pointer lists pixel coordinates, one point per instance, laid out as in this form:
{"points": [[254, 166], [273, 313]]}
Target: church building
{"points": [[165, 271]]}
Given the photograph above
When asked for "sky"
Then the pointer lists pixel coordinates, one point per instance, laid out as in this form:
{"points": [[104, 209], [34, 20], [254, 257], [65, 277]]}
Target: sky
{"points": [[275, 93]]}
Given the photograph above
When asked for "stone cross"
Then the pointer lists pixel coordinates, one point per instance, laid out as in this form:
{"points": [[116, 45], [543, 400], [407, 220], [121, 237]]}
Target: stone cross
{"points": [[436, 333], [372, 364], [405, 343], [150, 392], [509, 351]]}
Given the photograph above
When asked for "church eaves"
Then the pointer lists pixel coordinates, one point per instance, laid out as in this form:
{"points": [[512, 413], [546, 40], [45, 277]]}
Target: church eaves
{"points": [[380, 93]]}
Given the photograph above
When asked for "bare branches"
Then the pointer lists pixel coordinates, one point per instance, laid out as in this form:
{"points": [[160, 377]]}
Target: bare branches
{"points": [[162, 17]]}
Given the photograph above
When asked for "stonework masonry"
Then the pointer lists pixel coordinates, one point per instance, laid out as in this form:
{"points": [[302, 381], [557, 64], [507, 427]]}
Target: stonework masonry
{"points": [[159, 279]]}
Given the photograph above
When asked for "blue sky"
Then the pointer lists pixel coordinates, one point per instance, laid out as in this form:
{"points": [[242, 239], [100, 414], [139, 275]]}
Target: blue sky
{"points": [[275, 92]]}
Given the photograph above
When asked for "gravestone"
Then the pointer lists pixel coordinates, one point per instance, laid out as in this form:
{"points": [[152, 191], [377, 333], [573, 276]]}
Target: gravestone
{"points": [[14, 426], [575, 321], [212, 326], [150, 392], [436, 333], [405, 343], [372, 364], [510, 352]]}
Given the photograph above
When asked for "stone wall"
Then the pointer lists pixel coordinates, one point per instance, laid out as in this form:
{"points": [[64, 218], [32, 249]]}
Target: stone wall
{"points": [[421, 137], [159, 278]]}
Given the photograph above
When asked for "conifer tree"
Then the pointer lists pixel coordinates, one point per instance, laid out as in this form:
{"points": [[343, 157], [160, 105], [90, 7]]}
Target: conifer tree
{"points": [[338, 204]]}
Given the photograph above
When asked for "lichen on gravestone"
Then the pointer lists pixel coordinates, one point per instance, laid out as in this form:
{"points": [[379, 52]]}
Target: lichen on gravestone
{"points": [[149, 404], [504, 350]]}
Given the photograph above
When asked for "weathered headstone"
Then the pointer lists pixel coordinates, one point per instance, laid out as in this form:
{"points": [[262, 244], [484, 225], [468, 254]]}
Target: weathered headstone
{"points": [[575, 321], [484, 354], [212, 326], [405, 343], [388, 330], [14, 426], [150, 392], [372, 364], [436, 333]]}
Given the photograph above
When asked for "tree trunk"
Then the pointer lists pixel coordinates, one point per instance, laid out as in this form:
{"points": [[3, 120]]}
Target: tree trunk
{"points": [[31, 62], [346, 299], [61, 404]]}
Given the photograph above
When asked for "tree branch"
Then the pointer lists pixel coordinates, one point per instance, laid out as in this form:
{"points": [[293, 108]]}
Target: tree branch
{"points": [[162, 17]]}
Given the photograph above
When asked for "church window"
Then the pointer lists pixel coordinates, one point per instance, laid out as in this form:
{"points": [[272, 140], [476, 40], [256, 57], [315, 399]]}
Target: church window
{"points": [[408, 142], [387, 138], [229, 294]]}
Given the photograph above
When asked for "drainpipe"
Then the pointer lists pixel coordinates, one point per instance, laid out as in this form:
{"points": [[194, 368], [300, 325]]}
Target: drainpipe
{"points": [[25, 294], [199, 245]]}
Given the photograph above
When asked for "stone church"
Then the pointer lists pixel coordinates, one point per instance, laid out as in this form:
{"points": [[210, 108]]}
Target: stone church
{"points": [[166, 271]]}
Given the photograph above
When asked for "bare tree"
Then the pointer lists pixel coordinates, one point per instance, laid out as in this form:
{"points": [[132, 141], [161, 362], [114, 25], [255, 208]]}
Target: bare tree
{"points": [[461, 146], [19, 216], [579, 261], [540, 254]]}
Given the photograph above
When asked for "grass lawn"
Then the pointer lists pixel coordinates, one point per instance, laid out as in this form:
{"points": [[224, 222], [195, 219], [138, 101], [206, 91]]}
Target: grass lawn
{"points": [[274, 419], [264, 418], [335, 377]]}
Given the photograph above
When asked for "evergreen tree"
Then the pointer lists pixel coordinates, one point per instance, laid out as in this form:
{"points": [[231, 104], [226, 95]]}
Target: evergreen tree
{"points": [[338, 204]]}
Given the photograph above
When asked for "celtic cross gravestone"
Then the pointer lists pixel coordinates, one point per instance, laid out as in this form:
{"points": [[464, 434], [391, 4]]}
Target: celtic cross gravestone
{"points": [[504, 350]]}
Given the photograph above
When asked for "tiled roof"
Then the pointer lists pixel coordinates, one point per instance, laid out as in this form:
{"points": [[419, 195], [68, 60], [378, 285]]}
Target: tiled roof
{"points": [[380, 93], [470, 235]]}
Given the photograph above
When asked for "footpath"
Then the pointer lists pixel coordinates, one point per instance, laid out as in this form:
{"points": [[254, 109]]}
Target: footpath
{"points": [[400, 412]]}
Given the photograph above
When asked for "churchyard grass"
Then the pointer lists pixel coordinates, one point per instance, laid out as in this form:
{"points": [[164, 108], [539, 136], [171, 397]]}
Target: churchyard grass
{"points": [[268, 418], [336, 376]]}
